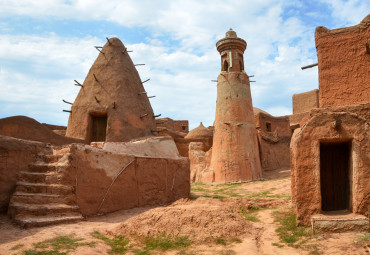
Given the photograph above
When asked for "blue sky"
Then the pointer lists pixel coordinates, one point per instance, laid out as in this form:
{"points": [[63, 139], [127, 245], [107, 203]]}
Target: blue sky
{"points": [[45, 45]]}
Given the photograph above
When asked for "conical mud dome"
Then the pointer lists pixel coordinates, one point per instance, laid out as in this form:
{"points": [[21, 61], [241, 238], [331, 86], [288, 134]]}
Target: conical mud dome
{"points": [[111, 105], [200, 132]]}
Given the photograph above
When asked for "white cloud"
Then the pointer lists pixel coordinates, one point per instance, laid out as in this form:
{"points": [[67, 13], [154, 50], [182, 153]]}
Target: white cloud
{"points": [[348, 12], [180, 77], [279, 111]]}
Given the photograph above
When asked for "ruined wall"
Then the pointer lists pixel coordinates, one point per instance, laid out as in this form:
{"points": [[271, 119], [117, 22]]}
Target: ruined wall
{"points": [[200, 160], [15, 156], [173, 128], [297, 119], [273, 142], [107, 181], [181, 126], [167, 123], [343, 64], [182, 146], [305, 157], [304, 102]]}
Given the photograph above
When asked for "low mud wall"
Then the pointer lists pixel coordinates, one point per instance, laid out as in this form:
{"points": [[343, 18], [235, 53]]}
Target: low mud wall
{"points": [[107, 182], [15, 156]]}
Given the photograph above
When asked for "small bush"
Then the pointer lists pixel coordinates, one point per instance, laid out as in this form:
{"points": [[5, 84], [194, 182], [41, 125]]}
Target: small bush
{"points": [[288, 230], [118, 244], [57, 246], [165, 242], [249, 214]]}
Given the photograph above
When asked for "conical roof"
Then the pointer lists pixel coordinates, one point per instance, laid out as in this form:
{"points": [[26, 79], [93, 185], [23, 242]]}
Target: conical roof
{"points": [[112, 88], [199, 133]]}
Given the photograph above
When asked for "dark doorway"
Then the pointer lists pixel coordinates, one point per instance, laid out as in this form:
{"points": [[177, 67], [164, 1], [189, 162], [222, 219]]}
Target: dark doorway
{"points": [[99, 128], [334, 176]]}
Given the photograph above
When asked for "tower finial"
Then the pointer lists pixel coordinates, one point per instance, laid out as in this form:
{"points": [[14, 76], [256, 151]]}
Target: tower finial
{"points": [[231, 49]]}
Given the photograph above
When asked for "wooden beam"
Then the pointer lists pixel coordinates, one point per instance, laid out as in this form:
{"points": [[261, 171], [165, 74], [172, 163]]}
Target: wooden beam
{"points": [[309, 66]]}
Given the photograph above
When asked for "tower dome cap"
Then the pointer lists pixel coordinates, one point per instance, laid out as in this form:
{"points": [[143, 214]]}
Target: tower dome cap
{"points": [[231, 34]]}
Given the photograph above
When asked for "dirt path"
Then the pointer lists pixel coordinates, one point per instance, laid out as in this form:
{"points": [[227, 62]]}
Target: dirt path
{"points": [[202, 217], [269, 237]]}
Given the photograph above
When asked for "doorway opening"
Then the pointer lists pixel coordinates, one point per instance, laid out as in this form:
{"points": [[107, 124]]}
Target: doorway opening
{"points": [[335, 176], [99, 128]]}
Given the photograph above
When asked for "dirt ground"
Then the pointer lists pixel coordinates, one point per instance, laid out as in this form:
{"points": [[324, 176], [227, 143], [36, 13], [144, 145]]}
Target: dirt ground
{"points": [[217, 219]]}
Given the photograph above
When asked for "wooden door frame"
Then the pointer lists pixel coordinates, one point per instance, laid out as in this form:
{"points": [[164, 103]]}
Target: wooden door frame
{"points": [[351, 168], [90, 124]]}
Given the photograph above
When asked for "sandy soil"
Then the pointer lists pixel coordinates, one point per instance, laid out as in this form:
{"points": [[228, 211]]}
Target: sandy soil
{"points": [[199, 218]]}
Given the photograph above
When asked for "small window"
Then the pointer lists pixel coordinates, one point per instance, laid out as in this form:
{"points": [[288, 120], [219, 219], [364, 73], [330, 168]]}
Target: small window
{"points": [[268, 127], [225, 66], [183, 128]]}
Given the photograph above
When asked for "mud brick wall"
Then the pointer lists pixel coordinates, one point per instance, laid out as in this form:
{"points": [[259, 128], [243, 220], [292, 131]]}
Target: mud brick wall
{"points": [[344, 76], [108, 182], [304, 102], [274, 144], [15, 156], [305, 157]]}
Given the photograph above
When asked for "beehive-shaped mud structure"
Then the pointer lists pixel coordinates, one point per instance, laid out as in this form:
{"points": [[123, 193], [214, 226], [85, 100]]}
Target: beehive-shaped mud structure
{"points": [[112, 104], [200, 132], [235, 155]]}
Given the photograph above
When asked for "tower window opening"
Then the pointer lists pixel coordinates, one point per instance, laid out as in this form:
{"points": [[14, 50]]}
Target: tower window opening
{"points": [[268, 127], [240, 65], [225, 66]]}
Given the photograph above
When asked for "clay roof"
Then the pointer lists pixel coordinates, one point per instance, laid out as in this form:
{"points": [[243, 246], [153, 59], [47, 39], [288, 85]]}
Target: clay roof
{"points": [[258, 110], [199, 132], [113, 88]]}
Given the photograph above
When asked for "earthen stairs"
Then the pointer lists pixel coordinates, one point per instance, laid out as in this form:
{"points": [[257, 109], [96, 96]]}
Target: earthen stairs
{"points": [[44, 194]]}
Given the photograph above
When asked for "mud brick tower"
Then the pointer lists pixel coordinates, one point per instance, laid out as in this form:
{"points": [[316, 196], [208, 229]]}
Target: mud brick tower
{"points": [[235, 155]]}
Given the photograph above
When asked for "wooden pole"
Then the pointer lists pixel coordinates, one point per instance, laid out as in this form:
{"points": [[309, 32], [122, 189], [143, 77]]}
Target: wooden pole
{"points": [[96, 47], [66, 102], [309, 66], [78, 84]]}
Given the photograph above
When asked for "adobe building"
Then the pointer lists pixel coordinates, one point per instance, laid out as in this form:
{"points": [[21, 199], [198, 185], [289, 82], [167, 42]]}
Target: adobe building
{"points": [[330, 148], [274, 136], [177, 129], [47, 178], [173, 125], [112, 105], [303, 103], [235, 154]]}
